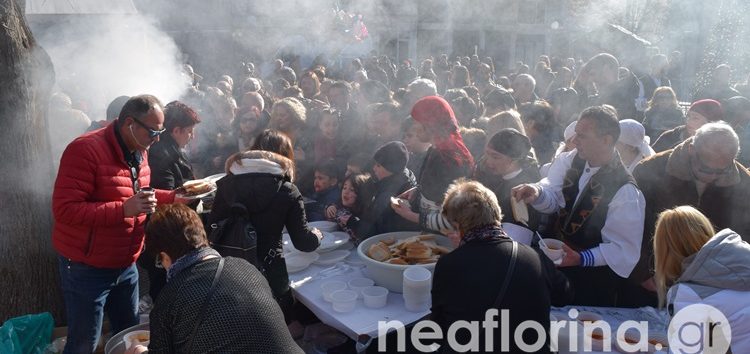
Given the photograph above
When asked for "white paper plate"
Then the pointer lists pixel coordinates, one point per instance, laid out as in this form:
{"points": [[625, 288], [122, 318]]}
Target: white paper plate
{"points": [[332, 257], [298, 261], [328, 226], [332, 240], [216, 177]]}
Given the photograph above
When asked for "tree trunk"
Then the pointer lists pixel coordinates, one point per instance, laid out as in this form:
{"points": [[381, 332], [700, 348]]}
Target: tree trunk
{"points": [[28, 265]]}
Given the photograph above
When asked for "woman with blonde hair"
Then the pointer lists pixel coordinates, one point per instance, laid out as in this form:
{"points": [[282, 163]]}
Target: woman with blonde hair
{"points": [[488, 270], [701, 266], [288, 115]]}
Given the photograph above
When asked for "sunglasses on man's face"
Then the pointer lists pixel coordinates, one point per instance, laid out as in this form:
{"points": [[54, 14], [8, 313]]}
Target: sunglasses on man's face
{"points": [[153, 134]]}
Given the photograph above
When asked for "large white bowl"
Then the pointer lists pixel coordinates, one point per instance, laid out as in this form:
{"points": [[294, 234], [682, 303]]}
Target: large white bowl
{"points": [[391, 276]]}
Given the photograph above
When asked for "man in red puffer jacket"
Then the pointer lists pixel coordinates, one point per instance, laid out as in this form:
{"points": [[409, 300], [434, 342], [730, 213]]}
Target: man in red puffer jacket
{"points": [[100, 211]]}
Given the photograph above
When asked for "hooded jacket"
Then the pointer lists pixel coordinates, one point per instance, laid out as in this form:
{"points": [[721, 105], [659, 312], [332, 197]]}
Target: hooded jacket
{"points": [[273, 202], [719, 275]]}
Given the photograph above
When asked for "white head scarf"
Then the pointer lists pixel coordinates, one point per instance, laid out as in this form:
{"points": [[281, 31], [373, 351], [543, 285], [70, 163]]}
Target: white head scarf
{"points": [[634, 134]]}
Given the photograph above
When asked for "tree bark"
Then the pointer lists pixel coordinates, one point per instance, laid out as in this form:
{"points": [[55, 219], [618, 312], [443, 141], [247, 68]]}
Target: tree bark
{"points": [[28, 264]]}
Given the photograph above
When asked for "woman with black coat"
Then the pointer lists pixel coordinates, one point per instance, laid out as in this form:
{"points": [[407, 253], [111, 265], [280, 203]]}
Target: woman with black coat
{"points": [[262, 182], [468, 281]]}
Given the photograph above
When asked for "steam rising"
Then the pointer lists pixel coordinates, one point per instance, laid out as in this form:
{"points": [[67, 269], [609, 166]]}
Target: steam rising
{"points": [[103, 57]]}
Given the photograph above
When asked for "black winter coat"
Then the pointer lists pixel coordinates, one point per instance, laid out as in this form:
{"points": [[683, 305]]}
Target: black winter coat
{"points": [[273, 202], [467, 281], [170, 168], [379, 217]]}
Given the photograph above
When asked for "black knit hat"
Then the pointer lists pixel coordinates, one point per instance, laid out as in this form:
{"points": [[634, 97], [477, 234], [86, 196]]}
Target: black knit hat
{"points": [[393, 156], [511, 143]]}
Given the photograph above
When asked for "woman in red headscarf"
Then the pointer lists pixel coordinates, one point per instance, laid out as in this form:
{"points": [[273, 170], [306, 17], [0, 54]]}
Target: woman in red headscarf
{"points": [[447, 160]]}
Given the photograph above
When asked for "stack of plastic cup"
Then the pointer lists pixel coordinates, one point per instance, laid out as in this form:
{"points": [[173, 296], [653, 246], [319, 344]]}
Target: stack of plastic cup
{"points": [[417, 287]]}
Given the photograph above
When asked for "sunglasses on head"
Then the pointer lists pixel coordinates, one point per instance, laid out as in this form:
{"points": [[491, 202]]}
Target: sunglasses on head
{"points": [[151, 132]]}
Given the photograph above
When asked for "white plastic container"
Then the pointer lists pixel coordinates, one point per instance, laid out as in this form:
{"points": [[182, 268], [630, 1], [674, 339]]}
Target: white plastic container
{"points": [[554, 249], [391, 275], [358, 284], [344, 300], [134, 338], [331, 286], [375, 297], [417, 284], [417, 306]]}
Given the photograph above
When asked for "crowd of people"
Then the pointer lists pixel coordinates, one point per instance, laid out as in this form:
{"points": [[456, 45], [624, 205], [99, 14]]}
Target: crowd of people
{"points": [[606, 159]]}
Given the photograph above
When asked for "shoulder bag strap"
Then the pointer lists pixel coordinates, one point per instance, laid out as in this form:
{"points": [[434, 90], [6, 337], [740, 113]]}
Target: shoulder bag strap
{"points": [[508, 275], [202, 314]]}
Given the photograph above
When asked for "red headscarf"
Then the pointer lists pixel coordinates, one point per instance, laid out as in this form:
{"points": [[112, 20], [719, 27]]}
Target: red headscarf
{"points": [[437, 116]]}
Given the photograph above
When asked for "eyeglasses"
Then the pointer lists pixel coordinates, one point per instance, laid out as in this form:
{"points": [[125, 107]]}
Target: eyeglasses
{"points": [[153, 134], [703, 169]]}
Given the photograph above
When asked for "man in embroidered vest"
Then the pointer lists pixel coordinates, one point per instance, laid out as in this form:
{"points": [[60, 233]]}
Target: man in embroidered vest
{"points": [[702, 172], [601, 210]]}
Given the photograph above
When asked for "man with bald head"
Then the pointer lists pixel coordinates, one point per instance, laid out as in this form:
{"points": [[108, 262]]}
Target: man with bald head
{"points": [[100, 209], [523, 89], [702, 172], [602, 71]]}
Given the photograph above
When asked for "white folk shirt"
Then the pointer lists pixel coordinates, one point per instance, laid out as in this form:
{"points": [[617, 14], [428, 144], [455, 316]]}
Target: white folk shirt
{"points": [[622, 233]]}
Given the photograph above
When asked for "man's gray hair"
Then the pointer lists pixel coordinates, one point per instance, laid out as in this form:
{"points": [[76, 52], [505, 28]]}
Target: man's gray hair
{"points": [[527, 78], [717, 132], [422, 88]]}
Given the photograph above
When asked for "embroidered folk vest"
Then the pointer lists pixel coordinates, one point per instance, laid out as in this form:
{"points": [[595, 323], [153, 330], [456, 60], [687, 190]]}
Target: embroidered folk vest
{"points": [[580, 223]]}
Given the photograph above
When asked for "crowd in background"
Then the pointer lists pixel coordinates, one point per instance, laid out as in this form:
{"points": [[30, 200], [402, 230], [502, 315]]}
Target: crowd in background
{"points": [[345, 140]]}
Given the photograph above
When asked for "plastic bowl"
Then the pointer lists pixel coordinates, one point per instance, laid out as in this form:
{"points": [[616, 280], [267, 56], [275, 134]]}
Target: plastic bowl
{"points": [[141, 337], [344, 300], [358, 284], [375, 296], [389, 275], [555, 252], [331, 286]]}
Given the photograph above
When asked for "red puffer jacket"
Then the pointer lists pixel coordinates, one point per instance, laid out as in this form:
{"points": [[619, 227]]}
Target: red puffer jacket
{"points": [[91, 187]]}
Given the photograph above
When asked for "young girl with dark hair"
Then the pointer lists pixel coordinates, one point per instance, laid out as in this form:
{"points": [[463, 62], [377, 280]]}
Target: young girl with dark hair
{"points": [[346, 212]]}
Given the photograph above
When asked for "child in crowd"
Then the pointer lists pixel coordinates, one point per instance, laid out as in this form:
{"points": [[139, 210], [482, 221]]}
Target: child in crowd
{"points": [[326, 144], [326, 187], [417, 149], [346, 212], [391, 178]]}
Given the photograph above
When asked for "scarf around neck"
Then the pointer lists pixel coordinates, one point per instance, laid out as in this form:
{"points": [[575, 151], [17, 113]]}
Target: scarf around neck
{"points": [[190, 259], [490, 232]]}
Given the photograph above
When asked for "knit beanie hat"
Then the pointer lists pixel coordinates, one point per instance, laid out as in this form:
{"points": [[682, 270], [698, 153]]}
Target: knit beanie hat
{"points": [[392, 156], [711, 109], [511, 143]]}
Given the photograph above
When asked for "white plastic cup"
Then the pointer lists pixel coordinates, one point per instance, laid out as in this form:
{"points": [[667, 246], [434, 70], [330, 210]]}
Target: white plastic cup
{"points": [[555, 250], [416, 275], [375, 297], [417, 284], [331, 286], [344, 300], [417, 306], [357, 284]]}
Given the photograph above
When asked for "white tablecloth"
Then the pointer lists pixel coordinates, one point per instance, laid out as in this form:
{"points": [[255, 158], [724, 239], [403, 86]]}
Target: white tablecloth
{"points": [[361, 321], [364, 321]]}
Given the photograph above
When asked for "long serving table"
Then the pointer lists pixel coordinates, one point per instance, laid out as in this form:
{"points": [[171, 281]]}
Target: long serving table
{"points": [[361, 324]]}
